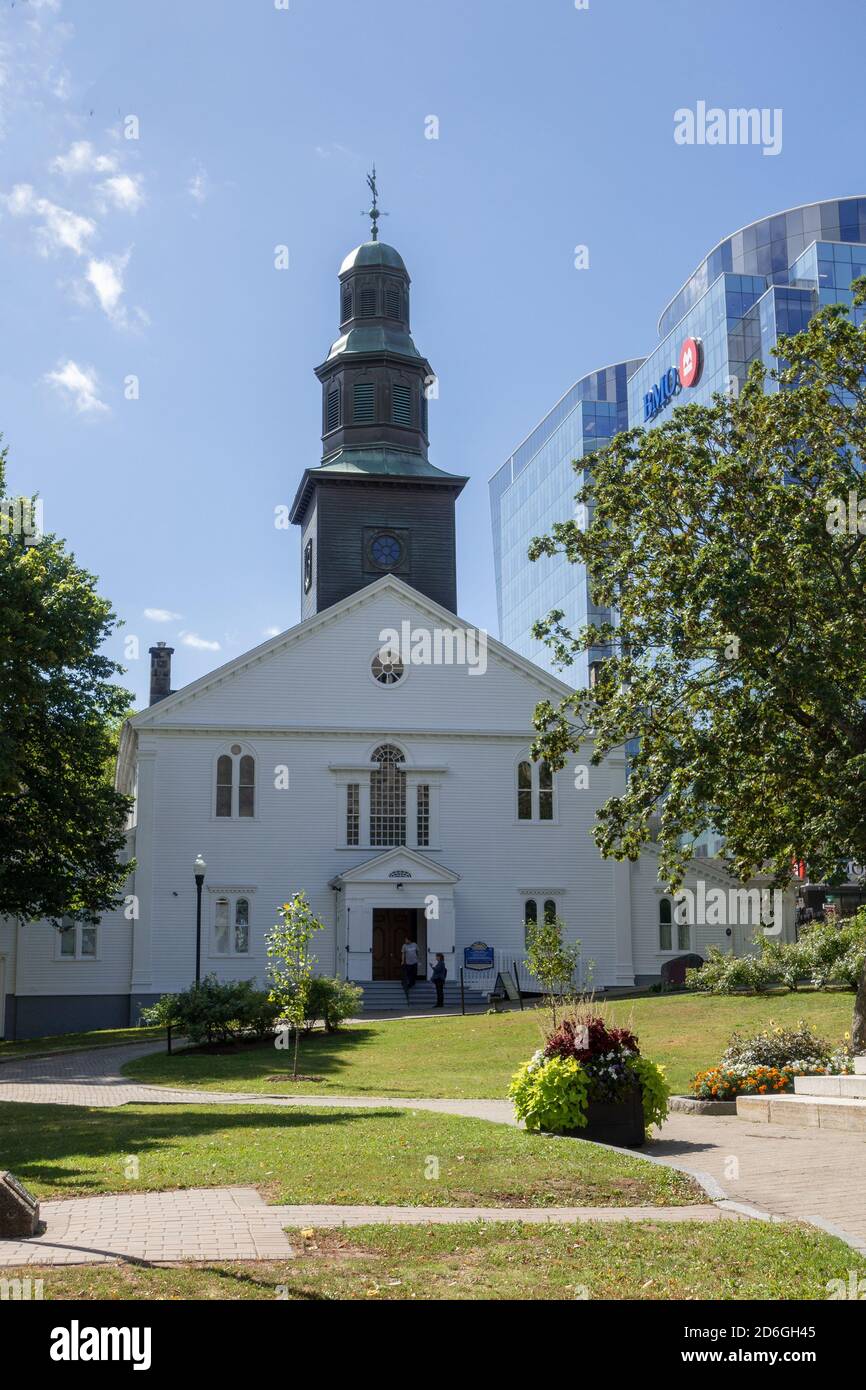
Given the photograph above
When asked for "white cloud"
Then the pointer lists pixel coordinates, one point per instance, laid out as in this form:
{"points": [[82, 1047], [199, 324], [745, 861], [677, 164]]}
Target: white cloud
{"points": [[123, 191], [61, 229], [201, 644], [80, 385], [162, 615], [106, 280], [198, 187], [81, 158]]}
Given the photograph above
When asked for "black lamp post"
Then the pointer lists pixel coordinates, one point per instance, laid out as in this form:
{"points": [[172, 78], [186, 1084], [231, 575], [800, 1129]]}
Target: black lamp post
{"points": [[198, 869]]}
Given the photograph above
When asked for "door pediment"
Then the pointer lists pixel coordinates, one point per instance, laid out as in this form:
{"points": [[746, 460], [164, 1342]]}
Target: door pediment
{"points": [[398, 865]]}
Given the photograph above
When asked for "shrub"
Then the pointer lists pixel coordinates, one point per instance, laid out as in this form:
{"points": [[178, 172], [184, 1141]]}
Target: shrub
{"points": [[827, 953], [331, 1000], [551, 1093], [216, 1011], [655, 1090], [725, 973], [778, 1047]]}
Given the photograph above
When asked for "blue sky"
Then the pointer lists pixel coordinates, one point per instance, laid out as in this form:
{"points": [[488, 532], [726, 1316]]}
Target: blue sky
{"points": [[154, 257]]}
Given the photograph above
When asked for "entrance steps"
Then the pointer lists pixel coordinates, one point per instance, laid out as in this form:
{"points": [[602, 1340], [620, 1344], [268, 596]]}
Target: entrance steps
{"points": [[387, 997], [824, 1102]]}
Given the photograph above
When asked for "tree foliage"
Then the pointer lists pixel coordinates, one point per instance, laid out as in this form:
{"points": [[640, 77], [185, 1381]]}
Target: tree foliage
{"points": [[61, 821], [730, 543]]}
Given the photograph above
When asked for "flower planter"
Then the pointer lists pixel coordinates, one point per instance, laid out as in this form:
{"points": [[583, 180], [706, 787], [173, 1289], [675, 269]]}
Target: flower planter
{"points": [[619, 1122]]}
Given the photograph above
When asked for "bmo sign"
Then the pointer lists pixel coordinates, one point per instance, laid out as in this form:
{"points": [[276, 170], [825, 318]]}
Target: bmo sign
{"points": [[688, 373]]}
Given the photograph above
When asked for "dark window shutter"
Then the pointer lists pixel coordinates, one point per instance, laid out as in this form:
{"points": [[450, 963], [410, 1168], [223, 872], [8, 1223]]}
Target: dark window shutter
{"points": [[365, 403], [367, 302], [348, 300], [401, 407], [333, 414], [393, 302]]}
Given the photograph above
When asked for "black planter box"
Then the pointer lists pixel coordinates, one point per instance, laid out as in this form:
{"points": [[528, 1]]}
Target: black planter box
{"points": [[619, 1122]]}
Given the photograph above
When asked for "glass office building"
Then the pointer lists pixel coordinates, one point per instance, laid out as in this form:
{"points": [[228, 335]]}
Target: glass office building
{"points": [[765, 280]]}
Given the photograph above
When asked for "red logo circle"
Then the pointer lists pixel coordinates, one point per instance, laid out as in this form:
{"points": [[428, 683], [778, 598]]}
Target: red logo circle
{"points": [[690, 361]]}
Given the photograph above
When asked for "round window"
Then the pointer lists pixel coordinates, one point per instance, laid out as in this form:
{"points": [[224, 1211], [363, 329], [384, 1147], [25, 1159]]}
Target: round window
{"points": [[386, 551], [387, 668]]}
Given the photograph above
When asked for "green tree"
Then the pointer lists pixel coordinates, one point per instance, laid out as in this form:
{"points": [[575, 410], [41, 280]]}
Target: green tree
{"points": [[731, 543], [291, 965], [61, 822], [550, 958]]}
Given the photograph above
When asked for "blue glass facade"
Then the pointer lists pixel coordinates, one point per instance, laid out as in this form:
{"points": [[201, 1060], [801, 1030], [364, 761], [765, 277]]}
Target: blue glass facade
{"points": [[768, 279]]}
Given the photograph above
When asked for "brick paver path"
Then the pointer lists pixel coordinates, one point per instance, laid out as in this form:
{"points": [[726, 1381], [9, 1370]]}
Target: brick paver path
{"points": [[218, 1223], [796, 1174]]}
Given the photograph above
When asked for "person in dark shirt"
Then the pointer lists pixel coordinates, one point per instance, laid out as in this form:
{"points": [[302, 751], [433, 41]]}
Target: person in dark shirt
{"points": [[438, 976]]}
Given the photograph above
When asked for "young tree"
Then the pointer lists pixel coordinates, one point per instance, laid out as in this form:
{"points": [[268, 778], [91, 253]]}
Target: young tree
{"points": [[731, 543], [291, 965], [551, 960], [61, 822]]}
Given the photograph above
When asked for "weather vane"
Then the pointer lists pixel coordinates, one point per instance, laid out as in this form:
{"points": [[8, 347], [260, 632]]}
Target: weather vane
{"points": [[373, 212]]}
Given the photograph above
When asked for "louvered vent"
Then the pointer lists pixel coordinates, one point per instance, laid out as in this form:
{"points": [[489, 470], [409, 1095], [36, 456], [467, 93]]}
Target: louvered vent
{"points": [[367, 302], [348, 302], [333, 414], [393, 304], [365, 403], [402, 405]]}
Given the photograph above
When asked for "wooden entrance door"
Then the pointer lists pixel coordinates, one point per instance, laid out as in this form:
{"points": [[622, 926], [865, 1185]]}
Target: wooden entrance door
{"points": [[391, 926]]}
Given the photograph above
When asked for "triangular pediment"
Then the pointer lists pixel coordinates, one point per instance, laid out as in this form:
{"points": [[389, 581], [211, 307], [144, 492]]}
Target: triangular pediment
{"points": [[399, 865]]}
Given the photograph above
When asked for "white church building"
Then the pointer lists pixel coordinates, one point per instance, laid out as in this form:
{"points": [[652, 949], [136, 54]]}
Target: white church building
{"points": [[376, 756]]}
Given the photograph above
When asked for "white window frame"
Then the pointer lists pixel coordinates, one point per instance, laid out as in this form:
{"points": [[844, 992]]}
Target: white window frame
{"points": [[535, 793], [676, 928], [79, 928], [226, 752], [232, 897]]}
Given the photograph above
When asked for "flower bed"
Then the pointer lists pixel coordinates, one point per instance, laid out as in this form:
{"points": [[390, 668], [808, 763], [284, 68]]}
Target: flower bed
{"points": [[768, 1062], [591, 1079]]}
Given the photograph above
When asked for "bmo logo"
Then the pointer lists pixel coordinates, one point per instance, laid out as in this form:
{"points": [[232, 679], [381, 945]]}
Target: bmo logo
{"points": [[690, 362], [674, 379]]}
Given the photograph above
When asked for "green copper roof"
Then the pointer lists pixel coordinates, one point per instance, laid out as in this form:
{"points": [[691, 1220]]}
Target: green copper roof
{"points": [[361, 340], [382, 462], [373, 253]]}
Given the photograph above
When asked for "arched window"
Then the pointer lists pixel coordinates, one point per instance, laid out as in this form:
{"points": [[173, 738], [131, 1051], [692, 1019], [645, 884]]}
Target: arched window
{"points": [[225, 769], [549, 911], [242, 926], [665, 927], [524, 792], [530, 918], [535, 789], [545, 792], [235, 783], [388, 797], [247, 787], [231, 927]]}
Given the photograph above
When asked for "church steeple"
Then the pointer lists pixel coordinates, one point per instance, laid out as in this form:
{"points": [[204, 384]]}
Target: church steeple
{"points": [[375, 481]]}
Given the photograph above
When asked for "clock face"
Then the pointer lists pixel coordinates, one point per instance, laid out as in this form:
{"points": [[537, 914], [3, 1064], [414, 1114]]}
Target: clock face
{"points": [[386, 551]]}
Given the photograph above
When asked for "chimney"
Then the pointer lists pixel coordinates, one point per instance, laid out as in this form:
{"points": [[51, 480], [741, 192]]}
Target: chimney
{"points": [[160, 672]]}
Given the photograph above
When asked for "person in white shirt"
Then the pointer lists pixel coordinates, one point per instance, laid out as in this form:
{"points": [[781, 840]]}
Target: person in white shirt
{"points": [[409, 957]]}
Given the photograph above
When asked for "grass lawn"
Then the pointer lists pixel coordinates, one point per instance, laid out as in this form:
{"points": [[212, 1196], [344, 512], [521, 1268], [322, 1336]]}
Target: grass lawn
{"points": [[723, 1261], [64, 1042], [475, 1056], [342, 1156]]}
